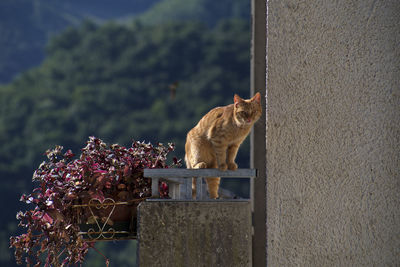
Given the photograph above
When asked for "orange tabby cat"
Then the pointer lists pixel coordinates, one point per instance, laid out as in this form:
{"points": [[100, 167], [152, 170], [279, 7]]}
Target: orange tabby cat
{"points": [[215, 140]]}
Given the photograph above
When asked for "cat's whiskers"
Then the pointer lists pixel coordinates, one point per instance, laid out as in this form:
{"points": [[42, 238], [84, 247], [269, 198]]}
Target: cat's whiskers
{"points": [[215, 140]]}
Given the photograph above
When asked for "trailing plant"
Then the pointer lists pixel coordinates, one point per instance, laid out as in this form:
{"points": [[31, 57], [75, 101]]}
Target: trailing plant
{"points": [[101, 172]]}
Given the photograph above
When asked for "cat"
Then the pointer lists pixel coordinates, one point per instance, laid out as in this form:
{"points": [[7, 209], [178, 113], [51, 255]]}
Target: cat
{"points": [[215, 140]]}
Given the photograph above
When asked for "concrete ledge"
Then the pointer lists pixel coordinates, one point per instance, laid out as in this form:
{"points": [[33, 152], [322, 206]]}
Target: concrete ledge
{"points": [[188, 233]]}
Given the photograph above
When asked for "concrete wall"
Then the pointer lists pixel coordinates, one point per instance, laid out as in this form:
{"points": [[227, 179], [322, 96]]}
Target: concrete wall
{"points": [[194, 233], [333, 133]]}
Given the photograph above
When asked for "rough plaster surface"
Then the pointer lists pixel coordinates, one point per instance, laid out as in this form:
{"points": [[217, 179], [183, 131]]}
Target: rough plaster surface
{"points": [[188, 233], [333, 133]]}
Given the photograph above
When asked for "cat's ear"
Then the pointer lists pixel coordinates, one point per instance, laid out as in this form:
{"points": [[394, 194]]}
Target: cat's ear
{"points": [[237, 99], [257, 98]]}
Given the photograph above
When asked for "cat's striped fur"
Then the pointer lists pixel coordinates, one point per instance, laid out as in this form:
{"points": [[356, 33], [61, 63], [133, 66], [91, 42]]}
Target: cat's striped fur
{"points": [[215, 140]]}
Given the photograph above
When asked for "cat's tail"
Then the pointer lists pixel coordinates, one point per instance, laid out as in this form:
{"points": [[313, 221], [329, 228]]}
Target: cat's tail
{"points": [[212, 182], [200, 165], [194, 180], [213, 186]]}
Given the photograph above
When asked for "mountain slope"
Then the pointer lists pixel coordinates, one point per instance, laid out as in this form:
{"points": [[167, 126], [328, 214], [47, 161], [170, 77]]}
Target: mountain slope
{"points": [[26, 25], [206, 11]]}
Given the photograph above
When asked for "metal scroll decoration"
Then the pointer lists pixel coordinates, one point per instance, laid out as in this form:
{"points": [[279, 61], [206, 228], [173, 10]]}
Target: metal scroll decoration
{"points": [[102, 229]]}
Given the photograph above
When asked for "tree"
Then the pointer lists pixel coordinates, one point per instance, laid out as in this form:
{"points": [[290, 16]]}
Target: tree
{"points": [[114, 81]]}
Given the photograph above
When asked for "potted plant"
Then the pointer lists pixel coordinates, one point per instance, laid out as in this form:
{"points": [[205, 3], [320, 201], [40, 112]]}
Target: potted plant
{"points": [[102, 188]]}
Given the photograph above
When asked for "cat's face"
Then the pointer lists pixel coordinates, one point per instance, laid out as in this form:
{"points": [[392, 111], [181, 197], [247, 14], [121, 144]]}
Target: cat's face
{"points": [[247, 111]]}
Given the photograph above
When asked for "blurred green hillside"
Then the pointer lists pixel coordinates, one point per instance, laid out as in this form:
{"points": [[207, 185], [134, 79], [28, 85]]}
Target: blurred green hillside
{"points": [[142, 79], [206, 11], [27, 25]]}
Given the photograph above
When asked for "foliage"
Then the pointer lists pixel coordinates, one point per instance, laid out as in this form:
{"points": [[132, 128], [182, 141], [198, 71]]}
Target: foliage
{"points": [[206, 11], [100, 172], [113, 81], [122, 82], [26, 25]]}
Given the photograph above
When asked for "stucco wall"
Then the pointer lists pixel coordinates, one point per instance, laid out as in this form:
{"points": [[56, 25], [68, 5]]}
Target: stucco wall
{"points": [[333, 133]]}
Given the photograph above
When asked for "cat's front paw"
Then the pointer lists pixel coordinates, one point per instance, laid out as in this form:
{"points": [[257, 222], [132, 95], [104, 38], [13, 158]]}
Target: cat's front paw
{"points": [[232, 166], [223, 167]]}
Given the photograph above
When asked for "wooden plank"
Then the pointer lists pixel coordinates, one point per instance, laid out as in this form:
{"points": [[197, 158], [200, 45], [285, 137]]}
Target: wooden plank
{"points": [[188, 173], [154, 188], [199, 188], [188, 188]]}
